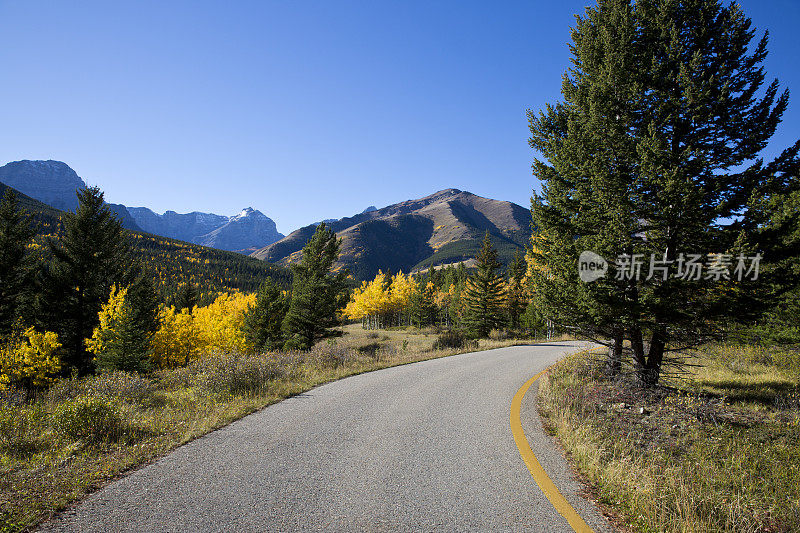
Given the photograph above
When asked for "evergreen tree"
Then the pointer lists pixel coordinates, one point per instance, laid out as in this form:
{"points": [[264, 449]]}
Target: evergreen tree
{"points": [[263, 322], [421, 303], [16, 267], [187, 297], [119, 341], [92, 254], [517, 300], [316, 292], [145, 304], [774, 223], [484, 298], [655, 148]]}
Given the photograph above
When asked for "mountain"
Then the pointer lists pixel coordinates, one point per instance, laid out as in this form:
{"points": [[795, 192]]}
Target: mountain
{"points": [[246, 231], [172, 262], [51, 182], [31, 205], [249, 230], [445, 227], [184, 227], [55, 184]]}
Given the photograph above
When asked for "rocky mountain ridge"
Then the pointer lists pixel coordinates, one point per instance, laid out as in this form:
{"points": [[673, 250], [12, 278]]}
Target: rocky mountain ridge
{"points": [[441, 228], [55, 184]]}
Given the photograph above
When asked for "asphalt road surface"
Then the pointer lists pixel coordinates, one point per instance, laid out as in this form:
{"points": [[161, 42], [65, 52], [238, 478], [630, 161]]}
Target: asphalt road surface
{"points": [[420, 447]]}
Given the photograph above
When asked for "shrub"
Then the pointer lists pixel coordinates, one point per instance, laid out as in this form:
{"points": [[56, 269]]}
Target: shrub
{"points": [[89, 418], [235, 373], [370, 349], [499, 335], [21, 430], [128, 386], [28, 360], [331, 355], [453, 339]]}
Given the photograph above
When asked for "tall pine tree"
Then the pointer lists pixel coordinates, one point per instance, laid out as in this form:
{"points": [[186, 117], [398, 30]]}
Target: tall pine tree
{"points": [[654, 150], [316, 292], [16, 266], [263, 322], [517, 300], [91, 255], [483, 298]]}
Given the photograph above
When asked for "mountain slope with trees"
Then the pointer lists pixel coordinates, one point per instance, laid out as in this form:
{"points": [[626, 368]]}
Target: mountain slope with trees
{"points": [[445, 227], [173, 263]]}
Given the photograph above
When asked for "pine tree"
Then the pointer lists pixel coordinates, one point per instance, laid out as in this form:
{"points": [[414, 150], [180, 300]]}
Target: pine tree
{"points": [[655, 148], [186, 297], [422, 307], [316, 292], [517, 300], [263, 321], [484, 298], [92, 254], [16, 267], [122, 339]]}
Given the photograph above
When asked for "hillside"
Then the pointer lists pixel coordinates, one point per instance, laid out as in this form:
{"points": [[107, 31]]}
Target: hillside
{"points": [[33, 206], [444, 227], [173, 262]]}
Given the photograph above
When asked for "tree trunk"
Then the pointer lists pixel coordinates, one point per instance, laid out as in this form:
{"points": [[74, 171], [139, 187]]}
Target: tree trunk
{"points": [[637, 347], [652, 372], [614, 365]]}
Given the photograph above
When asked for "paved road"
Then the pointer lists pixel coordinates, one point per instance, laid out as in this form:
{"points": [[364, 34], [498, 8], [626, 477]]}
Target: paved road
{"points": [[421, 447]]}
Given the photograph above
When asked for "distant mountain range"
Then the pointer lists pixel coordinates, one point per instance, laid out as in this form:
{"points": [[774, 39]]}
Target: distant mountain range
{"points": [[55, 184], [171, 261], [244, 232], [445, 227]]}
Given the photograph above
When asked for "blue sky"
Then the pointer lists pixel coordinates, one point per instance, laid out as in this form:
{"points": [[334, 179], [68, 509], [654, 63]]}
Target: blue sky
{"points": [[303, 110]]}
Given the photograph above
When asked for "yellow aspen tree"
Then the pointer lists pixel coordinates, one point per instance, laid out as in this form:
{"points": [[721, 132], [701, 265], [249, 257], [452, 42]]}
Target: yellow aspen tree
{"points": [[28, 360]]}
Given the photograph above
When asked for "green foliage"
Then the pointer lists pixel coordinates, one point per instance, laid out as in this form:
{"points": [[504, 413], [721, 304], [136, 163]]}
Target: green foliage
{"points": [[462, 250], [516, 297], [316, 292], [654, 149], [16, 267], [484, 298], [422, 306], [128, 348], [92, 254], [187, 297], [90, 419], [263, 322]]}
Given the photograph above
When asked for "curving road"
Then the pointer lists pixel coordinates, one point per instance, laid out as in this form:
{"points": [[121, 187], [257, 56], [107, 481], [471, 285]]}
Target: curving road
{"points": [[420, 447]]}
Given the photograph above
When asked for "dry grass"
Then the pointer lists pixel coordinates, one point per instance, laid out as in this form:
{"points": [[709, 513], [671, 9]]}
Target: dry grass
{"points": [[83, 433], [719, 451]]}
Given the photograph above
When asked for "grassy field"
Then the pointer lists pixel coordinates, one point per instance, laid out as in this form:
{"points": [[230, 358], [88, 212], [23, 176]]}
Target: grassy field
{"points": [[716, 450], [83, 433]]}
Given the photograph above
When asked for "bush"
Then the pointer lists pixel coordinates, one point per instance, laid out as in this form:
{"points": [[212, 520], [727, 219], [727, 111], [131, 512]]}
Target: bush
{"points": [[89, 418], [128, 386], [21, 430], [235, 373], [29, 360], [500, 335], [453, 339], [331, 355]]}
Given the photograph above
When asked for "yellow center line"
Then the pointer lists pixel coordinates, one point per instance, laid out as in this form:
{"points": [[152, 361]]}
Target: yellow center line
{"points": [[542, 479]]}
